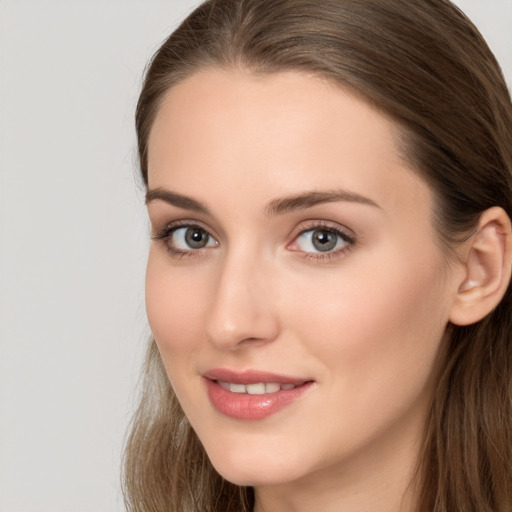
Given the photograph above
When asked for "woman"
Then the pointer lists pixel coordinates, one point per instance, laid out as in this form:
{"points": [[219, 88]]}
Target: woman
{"points": [[329, 188]]}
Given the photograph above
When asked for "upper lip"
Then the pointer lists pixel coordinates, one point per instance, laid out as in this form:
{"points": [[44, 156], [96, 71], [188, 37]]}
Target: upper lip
{"points": [[252, 377]]}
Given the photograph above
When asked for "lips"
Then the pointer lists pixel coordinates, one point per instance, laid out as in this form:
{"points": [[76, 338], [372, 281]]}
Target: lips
{"points": [[252, 395], [259, 388]]}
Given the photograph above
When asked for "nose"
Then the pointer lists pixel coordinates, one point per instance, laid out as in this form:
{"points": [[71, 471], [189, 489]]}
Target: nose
{"points": [[242, 310]]}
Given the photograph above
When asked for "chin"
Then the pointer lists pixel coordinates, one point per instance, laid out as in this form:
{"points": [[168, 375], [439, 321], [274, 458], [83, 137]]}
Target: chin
{"points": [[254, 469], [252, 477]]}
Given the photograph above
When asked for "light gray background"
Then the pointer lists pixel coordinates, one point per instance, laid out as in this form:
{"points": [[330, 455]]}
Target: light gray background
{"points": [[73, 238]]}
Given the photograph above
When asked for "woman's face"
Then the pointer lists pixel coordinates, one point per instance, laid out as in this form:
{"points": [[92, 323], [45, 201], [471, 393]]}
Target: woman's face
{"points": [[295, 286]]}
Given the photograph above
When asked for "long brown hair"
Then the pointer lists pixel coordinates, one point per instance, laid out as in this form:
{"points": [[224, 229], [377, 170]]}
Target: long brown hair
{"points": [[424, 64]]}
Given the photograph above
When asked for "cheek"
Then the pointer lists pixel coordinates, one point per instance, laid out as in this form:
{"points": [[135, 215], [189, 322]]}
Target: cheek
{"points": [[377, 327], [376, 336], [173, 306]]}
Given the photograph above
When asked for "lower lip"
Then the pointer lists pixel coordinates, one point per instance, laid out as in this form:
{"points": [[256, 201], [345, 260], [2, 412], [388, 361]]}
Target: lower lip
{"points": [[243, 406]]}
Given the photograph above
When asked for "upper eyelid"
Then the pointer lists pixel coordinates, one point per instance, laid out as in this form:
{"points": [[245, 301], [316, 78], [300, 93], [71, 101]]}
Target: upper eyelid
{"points": [[319, 224], [302, 227], [166, 234], [183, 223], [348, 239]]}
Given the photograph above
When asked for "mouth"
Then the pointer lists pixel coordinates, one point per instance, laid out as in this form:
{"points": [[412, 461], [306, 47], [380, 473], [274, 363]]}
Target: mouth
{"points": [[253, 395], [259, 388]]}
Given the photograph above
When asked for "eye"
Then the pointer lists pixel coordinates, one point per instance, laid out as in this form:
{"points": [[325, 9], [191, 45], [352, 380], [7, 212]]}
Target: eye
{"points": [[185, 239], [321, 240], [191, 237]]}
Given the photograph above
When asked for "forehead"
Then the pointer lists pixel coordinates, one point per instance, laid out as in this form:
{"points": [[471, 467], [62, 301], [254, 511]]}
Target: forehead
{"points": [[274, 133]]}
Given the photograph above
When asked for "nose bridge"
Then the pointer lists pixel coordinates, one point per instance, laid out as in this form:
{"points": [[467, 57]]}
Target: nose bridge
{"points": [[241, 308]]}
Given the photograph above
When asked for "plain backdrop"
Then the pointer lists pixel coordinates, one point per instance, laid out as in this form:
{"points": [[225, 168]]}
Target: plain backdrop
{"points": [[73, 238]]}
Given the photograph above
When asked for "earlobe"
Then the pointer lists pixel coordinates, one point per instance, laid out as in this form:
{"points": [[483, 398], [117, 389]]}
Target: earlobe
{"points": [[487, 263]]}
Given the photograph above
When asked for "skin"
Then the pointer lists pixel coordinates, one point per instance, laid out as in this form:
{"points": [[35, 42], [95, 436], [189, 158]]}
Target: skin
{"points": [[365, 321]]}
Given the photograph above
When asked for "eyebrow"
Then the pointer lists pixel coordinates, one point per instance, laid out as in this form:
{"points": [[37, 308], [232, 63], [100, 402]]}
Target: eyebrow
{"points": [[275, 207], [179, 200], [310, 199]]}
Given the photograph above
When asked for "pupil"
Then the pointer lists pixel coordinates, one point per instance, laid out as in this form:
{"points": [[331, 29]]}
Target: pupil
{"points": [[196, 238], [324, 241]]}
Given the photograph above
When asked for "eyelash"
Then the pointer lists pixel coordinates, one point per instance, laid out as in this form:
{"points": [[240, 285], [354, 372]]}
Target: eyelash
{"points": [[319, 257], [165, 234]]}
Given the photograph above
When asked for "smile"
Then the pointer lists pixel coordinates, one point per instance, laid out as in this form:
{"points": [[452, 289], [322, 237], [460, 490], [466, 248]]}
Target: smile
{"points": [[259, 388], [253, 395]]}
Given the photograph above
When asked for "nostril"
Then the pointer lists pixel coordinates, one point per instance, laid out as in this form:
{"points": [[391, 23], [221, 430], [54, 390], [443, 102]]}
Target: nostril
{"points": [[243, 329], [241, 312]]}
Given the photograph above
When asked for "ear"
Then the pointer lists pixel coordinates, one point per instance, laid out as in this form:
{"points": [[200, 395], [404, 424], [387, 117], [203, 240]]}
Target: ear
{"points": [[487, 262]]}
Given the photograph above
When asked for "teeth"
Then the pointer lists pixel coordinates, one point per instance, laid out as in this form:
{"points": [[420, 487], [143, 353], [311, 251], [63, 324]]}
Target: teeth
{"points": [[237, 388], [256, 389], [272, 388], [259, 388], [224, 385]]}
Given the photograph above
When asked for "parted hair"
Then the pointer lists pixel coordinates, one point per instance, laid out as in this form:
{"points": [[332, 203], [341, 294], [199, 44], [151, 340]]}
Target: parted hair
{"points": [[423, 64]]}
